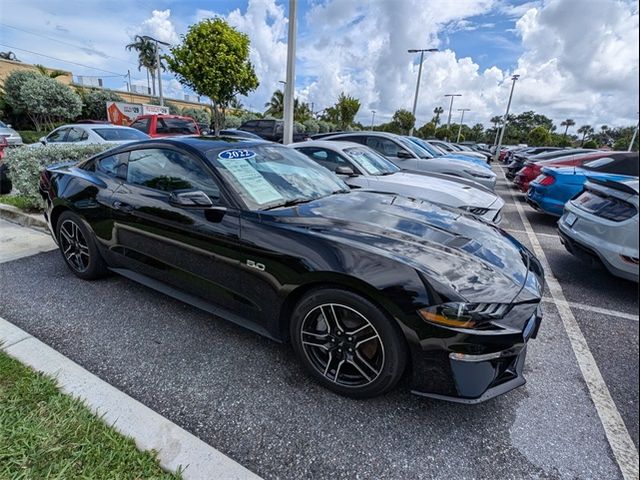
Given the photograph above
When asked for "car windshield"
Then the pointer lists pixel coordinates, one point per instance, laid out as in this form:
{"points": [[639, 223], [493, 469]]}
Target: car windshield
{"points": [[3, 125], [120, 134], [427, 146], [176, 125], [370, 161], [415, 148], [269, 176]]}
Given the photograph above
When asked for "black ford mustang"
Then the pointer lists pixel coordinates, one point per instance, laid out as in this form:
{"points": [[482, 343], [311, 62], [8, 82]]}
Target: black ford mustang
{"points": [[365, 285]]}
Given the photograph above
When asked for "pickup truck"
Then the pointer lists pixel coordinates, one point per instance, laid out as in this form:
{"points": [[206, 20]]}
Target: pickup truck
{"points": [[270, 129]]}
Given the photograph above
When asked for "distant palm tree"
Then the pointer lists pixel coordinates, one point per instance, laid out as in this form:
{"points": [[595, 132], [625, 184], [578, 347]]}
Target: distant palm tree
{"points": [[567, 123], [585, 130], [51, 73], [275, 106], [496, 119], [146, 57], [437, 111]]}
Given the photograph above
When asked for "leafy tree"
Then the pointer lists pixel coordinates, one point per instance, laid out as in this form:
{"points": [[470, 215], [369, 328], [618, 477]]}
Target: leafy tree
{"points": [[585, 130], [231, 121], [437, 112], [590, 144], [539, 137], [54, 73], [200, 115], [46, 101], [311, 126], [94, 102], [476, 132], [405, 120], [343, 112], [566, 124], [428, 130], [275, 106], [147, 58], [213, 61], [443, 132]]}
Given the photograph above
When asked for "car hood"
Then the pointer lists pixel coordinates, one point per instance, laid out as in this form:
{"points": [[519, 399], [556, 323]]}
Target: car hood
{"points": [[453, 164], [468, 159], [435, 189], [461, 257]]}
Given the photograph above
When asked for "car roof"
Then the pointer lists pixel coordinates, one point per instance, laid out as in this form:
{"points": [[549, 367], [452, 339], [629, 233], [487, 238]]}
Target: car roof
{"points": [[336, 144], [204, 143], [92, 126], [371, 133]]}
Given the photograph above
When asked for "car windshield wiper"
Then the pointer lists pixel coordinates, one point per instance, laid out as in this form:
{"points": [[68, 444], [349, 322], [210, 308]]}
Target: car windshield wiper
{"points": [[290, 203]]}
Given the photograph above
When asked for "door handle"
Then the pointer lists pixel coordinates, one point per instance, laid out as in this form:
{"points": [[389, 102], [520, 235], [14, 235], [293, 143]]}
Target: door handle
{"points": [[125, 207]]}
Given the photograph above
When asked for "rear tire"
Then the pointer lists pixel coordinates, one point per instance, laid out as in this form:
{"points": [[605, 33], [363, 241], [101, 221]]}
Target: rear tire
{"points": [[347, 344], [78, 247]]}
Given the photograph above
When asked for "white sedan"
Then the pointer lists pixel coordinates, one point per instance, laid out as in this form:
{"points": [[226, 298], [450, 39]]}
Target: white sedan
{"points": [[91, 133], [362, 167]]}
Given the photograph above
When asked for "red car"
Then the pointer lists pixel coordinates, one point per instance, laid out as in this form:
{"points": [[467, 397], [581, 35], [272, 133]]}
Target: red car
{"points": [[166, 125], [531, 170]]}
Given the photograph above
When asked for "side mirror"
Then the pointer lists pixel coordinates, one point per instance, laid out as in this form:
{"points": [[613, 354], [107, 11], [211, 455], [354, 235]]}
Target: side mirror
{"points": [[43, 140], [8, 125], [404, 154], [190, 199], [345, 171]]}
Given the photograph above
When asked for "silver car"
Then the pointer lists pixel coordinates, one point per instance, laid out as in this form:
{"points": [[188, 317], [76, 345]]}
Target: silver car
{"points": [[12, 137], [91, 133], [447, 147], [601, 224], [409, 156], [362, 167]]}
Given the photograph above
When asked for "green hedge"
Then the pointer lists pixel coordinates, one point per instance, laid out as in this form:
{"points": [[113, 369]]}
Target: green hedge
{"points": [[26, 163], [31, 136]]}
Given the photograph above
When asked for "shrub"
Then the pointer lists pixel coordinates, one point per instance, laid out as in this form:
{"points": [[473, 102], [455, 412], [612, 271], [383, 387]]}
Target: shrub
{"points": [[25, 165], [539, 137], [298, 127], [94, 103], [200, 115], [231, 121], [31, 136], [311, 126], [590, 144]]}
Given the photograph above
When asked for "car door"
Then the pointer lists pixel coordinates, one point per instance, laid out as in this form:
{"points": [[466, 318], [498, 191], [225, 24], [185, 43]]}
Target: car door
{"points": [[192, 249], [391, 150], [331, 160]]}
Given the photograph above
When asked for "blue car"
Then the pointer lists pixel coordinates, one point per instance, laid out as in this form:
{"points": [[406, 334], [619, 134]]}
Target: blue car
{"points": [[556, 186], [438, 153]]}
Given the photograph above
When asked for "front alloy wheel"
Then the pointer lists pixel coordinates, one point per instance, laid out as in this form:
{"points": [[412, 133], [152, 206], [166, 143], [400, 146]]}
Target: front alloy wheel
{"points": [[74, 246], [348, 344]]}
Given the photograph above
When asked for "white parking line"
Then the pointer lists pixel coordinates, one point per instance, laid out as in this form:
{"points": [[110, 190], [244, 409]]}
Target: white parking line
{"points": [[616, 431], [591, 308], [550, 235]]}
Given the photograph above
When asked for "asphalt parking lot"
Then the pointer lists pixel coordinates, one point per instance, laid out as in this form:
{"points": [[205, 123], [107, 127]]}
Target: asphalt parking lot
{"points": [[247, 396]]}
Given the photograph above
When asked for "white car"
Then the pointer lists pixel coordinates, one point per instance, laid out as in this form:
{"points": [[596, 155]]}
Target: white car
{"points": [[409, 156], [92, 133], [362, 167], [12, 137], [601, 224]]}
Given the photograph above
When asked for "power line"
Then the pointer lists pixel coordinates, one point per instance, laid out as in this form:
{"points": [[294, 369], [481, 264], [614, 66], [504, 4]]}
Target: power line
{"points": [[68, 43], [115, 74]]}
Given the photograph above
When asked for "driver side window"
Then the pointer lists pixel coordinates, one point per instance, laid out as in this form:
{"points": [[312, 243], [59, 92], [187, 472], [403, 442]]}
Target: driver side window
{"points": [[383, 146], [58, 135], [169, 170], [327, 158]]}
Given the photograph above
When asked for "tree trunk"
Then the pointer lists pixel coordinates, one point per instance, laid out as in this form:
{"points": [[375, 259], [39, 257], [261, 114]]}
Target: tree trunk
{"points": [[153, 81], [217, 117], [148, 84]]}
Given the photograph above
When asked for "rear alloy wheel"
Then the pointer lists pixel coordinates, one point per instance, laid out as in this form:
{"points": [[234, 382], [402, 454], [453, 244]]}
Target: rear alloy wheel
{"points": [[78, 247], [347, 344]]}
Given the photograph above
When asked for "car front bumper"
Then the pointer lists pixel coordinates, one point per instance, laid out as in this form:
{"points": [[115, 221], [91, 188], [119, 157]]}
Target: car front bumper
{"points": [[472, 368]]}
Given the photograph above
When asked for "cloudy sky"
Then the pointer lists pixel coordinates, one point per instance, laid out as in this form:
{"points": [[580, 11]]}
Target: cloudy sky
{"points": [[577, 58]]}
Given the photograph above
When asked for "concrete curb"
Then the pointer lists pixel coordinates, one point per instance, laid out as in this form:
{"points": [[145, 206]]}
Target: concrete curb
{"points": [[15, 215], [176, 447]]}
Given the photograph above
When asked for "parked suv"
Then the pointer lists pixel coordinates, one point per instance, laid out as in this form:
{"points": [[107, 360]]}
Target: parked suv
{"points": [[269, 129], [166, 125]]}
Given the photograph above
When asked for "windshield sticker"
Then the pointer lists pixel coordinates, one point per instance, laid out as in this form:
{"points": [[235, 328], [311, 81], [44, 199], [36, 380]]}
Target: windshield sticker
{"points": [[236, 153], [250, 179], [364, 162]]}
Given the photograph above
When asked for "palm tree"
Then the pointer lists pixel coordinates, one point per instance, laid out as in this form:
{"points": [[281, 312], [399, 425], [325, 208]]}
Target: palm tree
{"points": [[437, 111], [146, 49], [49, 73], [585, 130], [275, 106], [567, 123]]}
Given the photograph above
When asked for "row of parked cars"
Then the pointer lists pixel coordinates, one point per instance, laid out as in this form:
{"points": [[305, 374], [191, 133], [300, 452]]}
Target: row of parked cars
{"points": [[595, 194], [375, 255]]}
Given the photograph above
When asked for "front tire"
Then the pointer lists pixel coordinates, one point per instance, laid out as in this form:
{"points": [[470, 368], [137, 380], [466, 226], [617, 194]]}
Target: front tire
{"points": [[78, 247], [347, 344]]}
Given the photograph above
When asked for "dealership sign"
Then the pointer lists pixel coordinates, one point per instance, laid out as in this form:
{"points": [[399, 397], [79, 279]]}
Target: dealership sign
{"points": [[120, 113]]}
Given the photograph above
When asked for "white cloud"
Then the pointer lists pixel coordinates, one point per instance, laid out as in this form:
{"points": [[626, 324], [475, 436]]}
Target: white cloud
{"points": [[159, 26]]}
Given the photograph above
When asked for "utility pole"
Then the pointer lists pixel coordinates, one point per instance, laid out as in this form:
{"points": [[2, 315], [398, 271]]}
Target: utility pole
{"points": [[415, 98], [450, 109], [291, 75], [462, 110], [158, 66], [496, 155], [373, 117]]}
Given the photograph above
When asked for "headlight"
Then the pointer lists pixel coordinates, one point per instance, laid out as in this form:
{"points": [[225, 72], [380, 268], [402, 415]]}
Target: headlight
{"points": [[478, 174], [463, 315]]}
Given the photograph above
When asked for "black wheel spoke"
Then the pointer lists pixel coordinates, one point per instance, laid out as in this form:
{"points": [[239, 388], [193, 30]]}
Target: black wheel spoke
{"points": [[352, 356]]}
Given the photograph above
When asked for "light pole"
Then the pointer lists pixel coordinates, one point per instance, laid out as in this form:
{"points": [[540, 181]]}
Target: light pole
{"points": [[373, 117], [462, 110], [450, 109], [158, 43], [415, 98], [633, 139], [291, 75], [504, 120]]}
